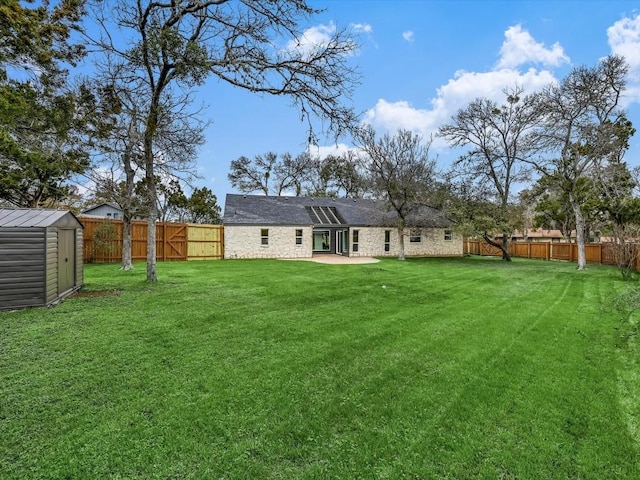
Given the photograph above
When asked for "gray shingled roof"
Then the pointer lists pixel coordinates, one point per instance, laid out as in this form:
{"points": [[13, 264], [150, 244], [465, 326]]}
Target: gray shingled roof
{"points": [[32, 217], [92, 208], [269, 210]]}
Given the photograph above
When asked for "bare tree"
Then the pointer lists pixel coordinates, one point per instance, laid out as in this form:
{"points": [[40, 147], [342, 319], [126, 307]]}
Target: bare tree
{"points": [[177, 45], [250, 176], [337, 176], [179, 135], [499, 141], [401, 172], [580, 131], [271, 174]]}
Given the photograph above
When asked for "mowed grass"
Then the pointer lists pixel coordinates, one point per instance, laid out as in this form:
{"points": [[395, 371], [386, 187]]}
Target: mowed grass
{"points": [[428, 368]]}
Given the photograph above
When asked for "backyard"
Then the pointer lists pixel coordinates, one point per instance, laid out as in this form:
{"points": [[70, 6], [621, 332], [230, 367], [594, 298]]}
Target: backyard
{"points": [[256, 369]]}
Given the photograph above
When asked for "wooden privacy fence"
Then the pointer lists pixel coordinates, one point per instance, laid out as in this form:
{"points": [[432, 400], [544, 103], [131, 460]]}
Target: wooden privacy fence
{"points": [[602, 253], [174, 241]]}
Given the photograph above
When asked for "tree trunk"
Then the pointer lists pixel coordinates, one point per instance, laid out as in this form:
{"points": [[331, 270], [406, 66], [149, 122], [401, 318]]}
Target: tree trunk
{"points": [[127, 216], [126, 241], [152, 275], [401, 243], [152, 206], [151, 128], [580, 237], [503, 246]]}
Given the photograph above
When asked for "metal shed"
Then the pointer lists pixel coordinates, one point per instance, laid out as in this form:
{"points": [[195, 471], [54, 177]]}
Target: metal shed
{"points": [[40, 257]]}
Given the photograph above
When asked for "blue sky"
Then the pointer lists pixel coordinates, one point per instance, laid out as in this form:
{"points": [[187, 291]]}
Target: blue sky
{"points": [[421, 61]]}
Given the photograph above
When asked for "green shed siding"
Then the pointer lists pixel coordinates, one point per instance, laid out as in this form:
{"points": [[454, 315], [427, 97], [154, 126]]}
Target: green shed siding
{"points": [[22, 271], [52, 264], [79, 257], [31, 248]]}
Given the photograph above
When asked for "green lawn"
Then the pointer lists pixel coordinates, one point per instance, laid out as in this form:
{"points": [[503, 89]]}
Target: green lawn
{"points": [[431, 368]]}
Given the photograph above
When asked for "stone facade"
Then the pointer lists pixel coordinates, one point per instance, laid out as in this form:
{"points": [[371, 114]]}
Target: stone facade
{"points": [[371, 243], [247, 242]]}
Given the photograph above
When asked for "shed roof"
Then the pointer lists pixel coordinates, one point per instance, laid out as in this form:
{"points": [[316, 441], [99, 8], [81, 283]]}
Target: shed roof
{"points": [[36, 217], [282, 210]]}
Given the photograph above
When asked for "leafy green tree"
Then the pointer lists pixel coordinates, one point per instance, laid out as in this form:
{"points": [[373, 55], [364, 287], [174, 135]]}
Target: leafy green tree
{"points": [[46, 124], [468, 203], [552, 207], [203, 207], [621, 208], [36, 35]]}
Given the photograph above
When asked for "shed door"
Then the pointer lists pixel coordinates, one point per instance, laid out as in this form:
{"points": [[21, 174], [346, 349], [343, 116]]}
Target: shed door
{"points": [[66, 259]]}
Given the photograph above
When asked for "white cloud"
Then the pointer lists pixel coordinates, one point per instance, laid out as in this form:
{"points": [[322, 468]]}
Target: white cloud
{"points": [[362, 28], [393, 115], [455, 94], [464, 87], [325, 151], [624, 40], [408, 36], [519, 48], [311, 39]]}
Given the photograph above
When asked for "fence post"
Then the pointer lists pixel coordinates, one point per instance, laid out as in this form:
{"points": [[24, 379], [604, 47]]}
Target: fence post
{"points": [[548, 251]]}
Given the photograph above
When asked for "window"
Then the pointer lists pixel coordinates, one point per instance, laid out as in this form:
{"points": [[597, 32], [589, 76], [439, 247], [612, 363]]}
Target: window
{"points": [[298, 236], [448, 235], [415, 236], [264, 236], [387, 240], [354, 241], [321, 241]]}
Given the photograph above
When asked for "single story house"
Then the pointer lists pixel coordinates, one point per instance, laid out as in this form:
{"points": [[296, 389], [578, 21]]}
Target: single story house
{"points": [[257, 226], [104, 210]]}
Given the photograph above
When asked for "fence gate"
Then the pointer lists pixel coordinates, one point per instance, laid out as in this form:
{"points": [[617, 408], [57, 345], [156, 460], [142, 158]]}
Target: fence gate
{"points": [[173, 241]]}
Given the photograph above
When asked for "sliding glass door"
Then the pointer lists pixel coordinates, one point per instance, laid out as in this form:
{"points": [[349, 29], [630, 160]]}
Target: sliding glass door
{"points": [[321, 241]]}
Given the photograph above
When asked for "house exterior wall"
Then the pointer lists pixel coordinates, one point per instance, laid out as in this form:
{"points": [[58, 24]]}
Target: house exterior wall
{"points": [[106, 211], [246, 242], [432, 243]]}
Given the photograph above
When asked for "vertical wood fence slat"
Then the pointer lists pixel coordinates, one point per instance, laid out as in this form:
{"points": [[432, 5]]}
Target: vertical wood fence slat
{"points": [[601, 253], [172, 241]]}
